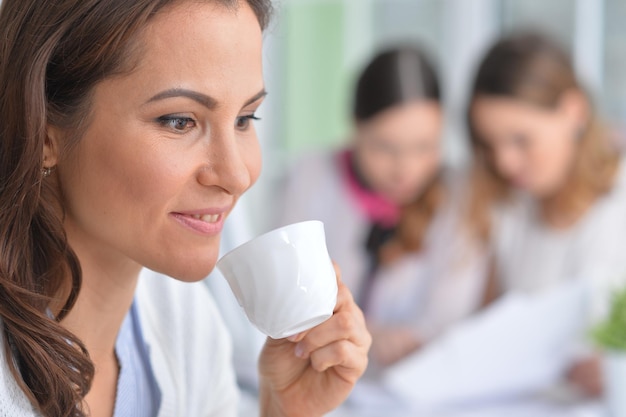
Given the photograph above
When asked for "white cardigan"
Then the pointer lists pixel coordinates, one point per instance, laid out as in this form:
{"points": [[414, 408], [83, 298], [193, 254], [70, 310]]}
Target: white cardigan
{"points": [[190, 352]]}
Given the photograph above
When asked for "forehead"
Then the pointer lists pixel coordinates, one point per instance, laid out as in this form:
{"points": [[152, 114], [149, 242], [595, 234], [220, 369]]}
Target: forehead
{"points": [[413, 119], [200, 45], [491, 113]]}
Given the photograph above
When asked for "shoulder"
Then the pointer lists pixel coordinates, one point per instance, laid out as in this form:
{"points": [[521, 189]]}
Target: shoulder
{"points": [[316, 167], [618, 191], [449, 232], [317, 160], [610, 209], [452, 209], [189, 344], [13, 402], [312, 182]]}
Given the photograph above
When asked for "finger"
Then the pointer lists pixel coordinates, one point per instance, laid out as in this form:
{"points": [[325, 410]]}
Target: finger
{"points": [[298, 336], [341, 298], [337, 271], [350, 358], [346, 324], [344, 297], [586, 370], [341, 326]]}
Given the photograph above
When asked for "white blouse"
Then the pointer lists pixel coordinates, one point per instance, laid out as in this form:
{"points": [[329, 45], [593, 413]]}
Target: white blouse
{"points": [[532, 257]]}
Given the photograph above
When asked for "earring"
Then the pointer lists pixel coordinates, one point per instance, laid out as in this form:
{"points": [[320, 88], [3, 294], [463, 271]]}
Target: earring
{"points": [[46, 171]]}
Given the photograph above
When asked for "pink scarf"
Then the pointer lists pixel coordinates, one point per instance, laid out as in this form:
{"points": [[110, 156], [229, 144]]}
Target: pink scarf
{"points": [[376, 208]]}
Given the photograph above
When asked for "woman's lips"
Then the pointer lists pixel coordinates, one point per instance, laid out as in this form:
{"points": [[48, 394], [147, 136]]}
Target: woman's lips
{"points": [[207, 218], [205, 224]]}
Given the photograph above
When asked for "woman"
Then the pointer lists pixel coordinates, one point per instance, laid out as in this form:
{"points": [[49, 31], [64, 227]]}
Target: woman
{"points": [[125, 141], [549, 187], [391, 214]]}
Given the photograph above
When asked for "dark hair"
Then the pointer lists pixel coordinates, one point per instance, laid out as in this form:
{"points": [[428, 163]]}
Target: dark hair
{"points": [[533, 69], [52, 55], [394, 77]]}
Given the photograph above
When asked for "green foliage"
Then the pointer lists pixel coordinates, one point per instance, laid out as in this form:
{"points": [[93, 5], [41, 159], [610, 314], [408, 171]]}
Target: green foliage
{"points": [[610, 334]]}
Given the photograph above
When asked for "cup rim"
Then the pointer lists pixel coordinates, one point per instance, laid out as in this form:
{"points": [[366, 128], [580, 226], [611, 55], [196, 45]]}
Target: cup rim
{"points": [[262, 236]]}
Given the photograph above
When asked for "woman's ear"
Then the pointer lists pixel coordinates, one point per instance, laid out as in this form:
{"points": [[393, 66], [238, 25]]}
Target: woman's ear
{"points": [[51, 147]]}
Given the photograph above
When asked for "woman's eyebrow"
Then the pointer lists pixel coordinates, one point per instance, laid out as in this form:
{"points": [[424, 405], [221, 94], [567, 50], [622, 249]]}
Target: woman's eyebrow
{"points": [[256, 97], [205, 100]]}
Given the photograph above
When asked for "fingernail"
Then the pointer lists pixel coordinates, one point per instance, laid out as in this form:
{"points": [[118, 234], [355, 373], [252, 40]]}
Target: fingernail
{"points": [[299, 351], [294, 337]]}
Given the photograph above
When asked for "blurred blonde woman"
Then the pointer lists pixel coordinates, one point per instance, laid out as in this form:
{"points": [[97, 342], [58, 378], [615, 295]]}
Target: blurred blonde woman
{"points": [[548, 185], [390, 209]]}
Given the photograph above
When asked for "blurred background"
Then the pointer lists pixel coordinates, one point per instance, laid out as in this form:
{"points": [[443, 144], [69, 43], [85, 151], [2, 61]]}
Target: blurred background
{"points": [[315, 49]]}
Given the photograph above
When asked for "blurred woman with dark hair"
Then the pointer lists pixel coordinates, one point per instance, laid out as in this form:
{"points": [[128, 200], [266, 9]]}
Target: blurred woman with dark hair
{"points": [[548, 185], [390, 209]]}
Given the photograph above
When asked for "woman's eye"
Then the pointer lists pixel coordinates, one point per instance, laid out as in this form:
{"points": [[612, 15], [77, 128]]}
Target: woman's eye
{"points": [[177, 124], [243, 122]]}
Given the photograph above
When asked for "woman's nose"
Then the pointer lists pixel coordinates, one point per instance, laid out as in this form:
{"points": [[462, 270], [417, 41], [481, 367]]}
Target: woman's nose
{"points": [[226, 165]]}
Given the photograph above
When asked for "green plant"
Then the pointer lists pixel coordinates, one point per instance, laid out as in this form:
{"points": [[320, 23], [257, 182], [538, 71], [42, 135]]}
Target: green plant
{"points": [[610, 334]]}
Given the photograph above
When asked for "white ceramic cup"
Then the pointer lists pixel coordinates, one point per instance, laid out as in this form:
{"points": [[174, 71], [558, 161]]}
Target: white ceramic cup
{"points": [[284, 279]]}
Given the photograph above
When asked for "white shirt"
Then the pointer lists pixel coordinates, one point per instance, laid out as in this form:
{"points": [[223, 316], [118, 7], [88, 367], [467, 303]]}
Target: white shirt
{"points": [[532, 257], [190, 352]]}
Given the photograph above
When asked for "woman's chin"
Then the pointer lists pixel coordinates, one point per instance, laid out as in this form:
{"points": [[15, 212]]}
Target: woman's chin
{"points": [[192, 276], [189, 270]]}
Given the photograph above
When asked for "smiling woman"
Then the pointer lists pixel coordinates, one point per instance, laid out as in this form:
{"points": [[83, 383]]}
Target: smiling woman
{"points": [[123, 147]]}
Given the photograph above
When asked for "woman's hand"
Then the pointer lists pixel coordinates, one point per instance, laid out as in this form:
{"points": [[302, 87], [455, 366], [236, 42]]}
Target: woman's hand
{"points": [[392, 343], [313, 372], [586, 375]]}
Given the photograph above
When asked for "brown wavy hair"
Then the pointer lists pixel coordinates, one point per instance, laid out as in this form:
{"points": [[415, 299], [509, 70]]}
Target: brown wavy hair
{"points": [[414, 222], [396, 76], [533, 69], [52, 54]]}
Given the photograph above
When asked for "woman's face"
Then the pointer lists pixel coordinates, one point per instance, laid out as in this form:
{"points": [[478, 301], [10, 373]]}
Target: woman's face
{"points": [[171, 146], [532, 148], [399, 150]]}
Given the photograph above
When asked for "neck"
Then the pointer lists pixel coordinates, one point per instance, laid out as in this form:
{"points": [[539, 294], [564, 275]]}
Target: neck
{"points": [[562, 210], [107, 291], [376, 207]]}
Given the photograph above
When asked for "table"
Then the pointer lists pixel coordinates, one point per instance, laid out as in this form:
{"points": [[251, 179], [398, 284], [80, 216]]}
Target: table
{"points": [[520, 408], [513, 409]]}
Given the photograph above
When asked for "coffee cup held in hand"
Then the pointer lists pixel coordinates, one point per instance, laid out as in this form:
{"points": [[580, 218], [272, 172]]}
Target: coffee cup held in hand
{"points": [[284, 279]]}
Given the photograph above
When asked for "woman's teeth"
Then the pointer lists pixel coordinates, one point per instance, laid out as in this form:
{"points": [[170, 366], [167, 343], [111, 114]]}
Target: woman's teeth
{"points": [[207, 218]]}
